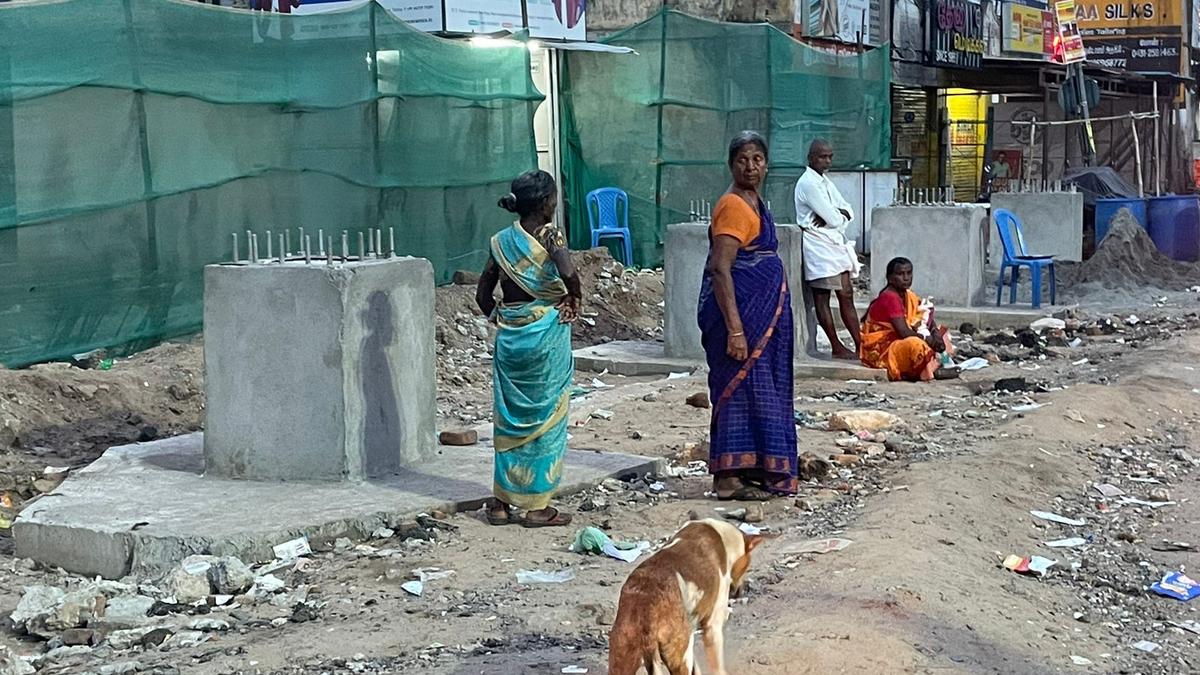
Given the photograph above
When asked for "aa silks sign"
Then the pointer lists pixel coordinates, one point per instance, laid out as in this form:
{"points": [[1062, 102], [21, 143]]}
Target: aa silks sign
{"points": [[956, 34]]}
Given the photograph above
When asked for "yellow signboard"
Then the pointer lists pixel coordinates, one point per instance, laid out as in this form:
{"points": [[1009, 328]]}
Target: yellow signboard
{"points": [[1098, 16], [1026, 29]]}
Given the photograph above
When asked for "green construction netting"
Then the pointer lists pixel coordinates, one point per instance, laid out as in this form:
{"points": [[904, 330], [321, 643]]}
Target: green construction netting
{"points": [[137, 135], [658, 124]]}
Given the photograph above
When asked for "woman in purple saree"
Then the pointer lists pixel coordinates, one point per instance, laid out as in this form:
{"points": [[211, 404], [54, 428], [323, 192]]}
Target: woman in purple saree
{"points": [[745, 321]]}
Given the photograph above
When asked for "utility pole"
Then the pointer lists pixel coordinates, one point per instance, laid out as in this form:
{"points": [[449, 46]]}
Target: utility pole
{"points": [[1089, 140]]}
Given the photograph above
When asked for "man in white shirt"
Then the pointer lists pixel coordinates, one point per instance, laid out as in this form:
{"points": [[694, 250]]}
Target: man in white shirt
{"points": [[830, 261]]}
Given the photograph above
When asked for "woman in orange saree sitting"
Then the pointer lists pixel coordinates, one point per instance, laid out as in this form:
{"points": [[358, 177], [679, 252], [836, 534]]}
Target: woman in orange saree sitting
{"points": [[899, 334]]}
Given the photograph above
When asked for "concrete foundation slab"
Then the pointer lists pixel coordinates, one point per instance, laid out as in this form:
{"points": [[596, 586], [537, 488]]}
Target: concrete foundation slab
{"points": [[144, 508], [945, 245], [632, 358], [1051, 223], [319, 372], [686, 253], [992, 317]]}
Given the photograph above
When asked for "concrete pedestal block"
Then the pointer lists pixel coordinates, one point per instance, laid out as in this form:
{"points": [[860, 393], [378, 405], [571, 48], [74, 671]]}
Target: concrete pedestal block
{"points": [[1051, 222], [318, 372], [686, 253], [945, 244]]}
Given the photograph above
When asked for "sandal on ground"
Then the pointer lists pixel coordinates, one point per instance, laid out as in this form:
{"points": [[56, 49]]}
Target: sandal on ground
{"points": [[747, 493], [946, 373], [558, 519], [498, 516]]}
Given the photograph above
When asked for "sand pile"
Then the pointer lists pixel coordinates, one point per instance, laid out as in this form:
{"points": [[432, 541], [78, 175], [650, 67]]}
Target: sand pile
{"points": [[1127, 258]]}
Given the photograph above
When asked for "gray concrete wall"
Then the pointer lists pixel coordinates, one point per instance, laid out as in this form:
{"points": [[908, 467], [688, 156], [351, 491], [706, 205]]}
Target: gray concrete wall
{"points": [[317, 372], [1051, 222], [686, 252], [945, 244]]}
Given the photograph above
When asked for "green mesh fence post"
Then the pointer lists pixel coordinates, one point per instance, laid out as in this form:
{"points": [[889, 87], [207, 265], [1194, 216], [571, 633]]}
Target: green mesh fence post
{"points": [[154, 289], [662, 92]]}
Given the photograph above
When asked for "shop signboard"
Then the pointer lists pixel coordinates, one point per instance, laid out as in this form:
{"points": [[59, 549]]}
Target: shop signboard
{"points": [[1025, 29], [1135, 35], [956, 34]]}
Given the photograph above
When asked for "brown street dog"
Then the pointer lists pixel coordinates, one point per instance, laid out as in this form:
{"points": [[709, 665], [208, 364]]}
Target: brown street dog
{"points": [[682, 588]]}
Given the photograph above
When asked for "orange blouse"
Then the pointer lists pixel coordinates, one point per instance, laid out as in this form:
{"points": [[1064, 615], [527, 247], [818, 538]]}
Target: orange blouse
{"points": [[732, 216]]}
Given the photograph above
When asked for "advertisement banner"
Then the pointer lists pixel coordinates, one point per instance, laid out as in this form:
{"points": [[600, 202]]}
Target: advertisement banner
{"points": [[1025, 32], [843, 20], [1068, 30], [956, 34], [548, 19]]}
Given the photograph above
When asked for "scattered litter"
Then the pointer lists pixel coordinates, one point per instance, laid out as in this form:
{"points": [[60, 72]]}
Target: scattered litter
{"points": [[1190, 625], [55, 470], [1142, 502], [1132, 320], [976, 363], [693, 469], [575, 670], [749, 529], [1172, 546], [593, 540], [658, 486], [1177, 585], [293, 549], [1142, 479], [1055, 518], [828, 545], [1027, 407], [383, 533], [1080, 661], [1080, 362], [413, 587], [1074, 344], [602, 414], [597, 384], [540, 577], [1035, 565], [1145, 646], [432, 574], [860, 381], [1071, 542], [678, 376], [1109, 490], [1048, 323], [1074, 416]]}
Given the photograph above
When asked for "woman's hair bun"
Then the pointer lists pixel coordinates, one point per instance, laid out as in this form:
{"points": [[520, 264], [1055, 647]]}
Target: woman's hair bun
{"points": [[509, 202]]}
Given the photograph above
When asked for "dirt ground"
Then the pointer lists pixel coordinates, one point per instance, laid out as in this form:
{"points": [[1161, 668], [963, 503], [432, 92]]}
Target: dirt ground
{"points": [[932, 514]]}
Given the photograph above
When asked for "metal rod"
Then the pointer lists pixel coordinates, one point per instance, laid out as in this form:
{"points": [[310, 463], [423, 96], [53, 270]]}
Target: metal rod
{"points": [[1157, 147], [286, 249], [1137, 158], [328, 251], [307, 250], [270, 249], [282, 254], [379, 243], [370, 242], [253, 247], [236, 253], [361, 249], [300, 241], [391, 242], [345, 244]]}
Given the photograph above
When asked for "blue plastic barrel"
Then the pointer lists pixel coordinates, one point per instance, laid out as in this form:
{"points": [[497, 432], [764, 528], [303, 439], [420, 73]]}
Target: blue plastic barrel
{"points": [[1107, 208], [1175, 226]]}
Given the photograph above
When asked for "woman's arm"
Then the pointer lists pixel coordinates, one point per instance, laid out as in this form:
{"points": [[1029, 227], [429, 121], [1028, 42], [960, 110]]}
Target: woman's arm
{"points": [[486, 289], [724, 251], [556, 245]]}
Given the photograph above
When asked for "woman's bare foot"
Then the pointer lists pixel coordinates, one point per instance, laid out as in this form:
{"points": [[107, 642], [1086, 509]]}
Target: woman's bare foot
{"points": [[844, 354]]}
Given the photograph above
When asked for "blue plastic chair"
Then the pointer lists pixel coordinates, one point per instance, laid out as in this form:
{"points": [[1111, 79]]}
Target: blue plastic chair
{"points": [[1015, 258], [608, 217]]}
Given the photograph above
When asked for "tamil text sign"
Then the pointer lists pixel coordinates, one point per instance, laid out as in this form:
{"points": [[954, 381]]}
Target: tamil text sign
{"points": [[956, 33], [1068, 31]]}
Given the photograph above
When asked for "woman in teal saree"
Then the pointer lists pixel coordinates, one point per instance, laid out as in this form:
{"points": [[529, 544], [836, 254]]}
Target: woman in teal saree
{"points": [[532, 367]]}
